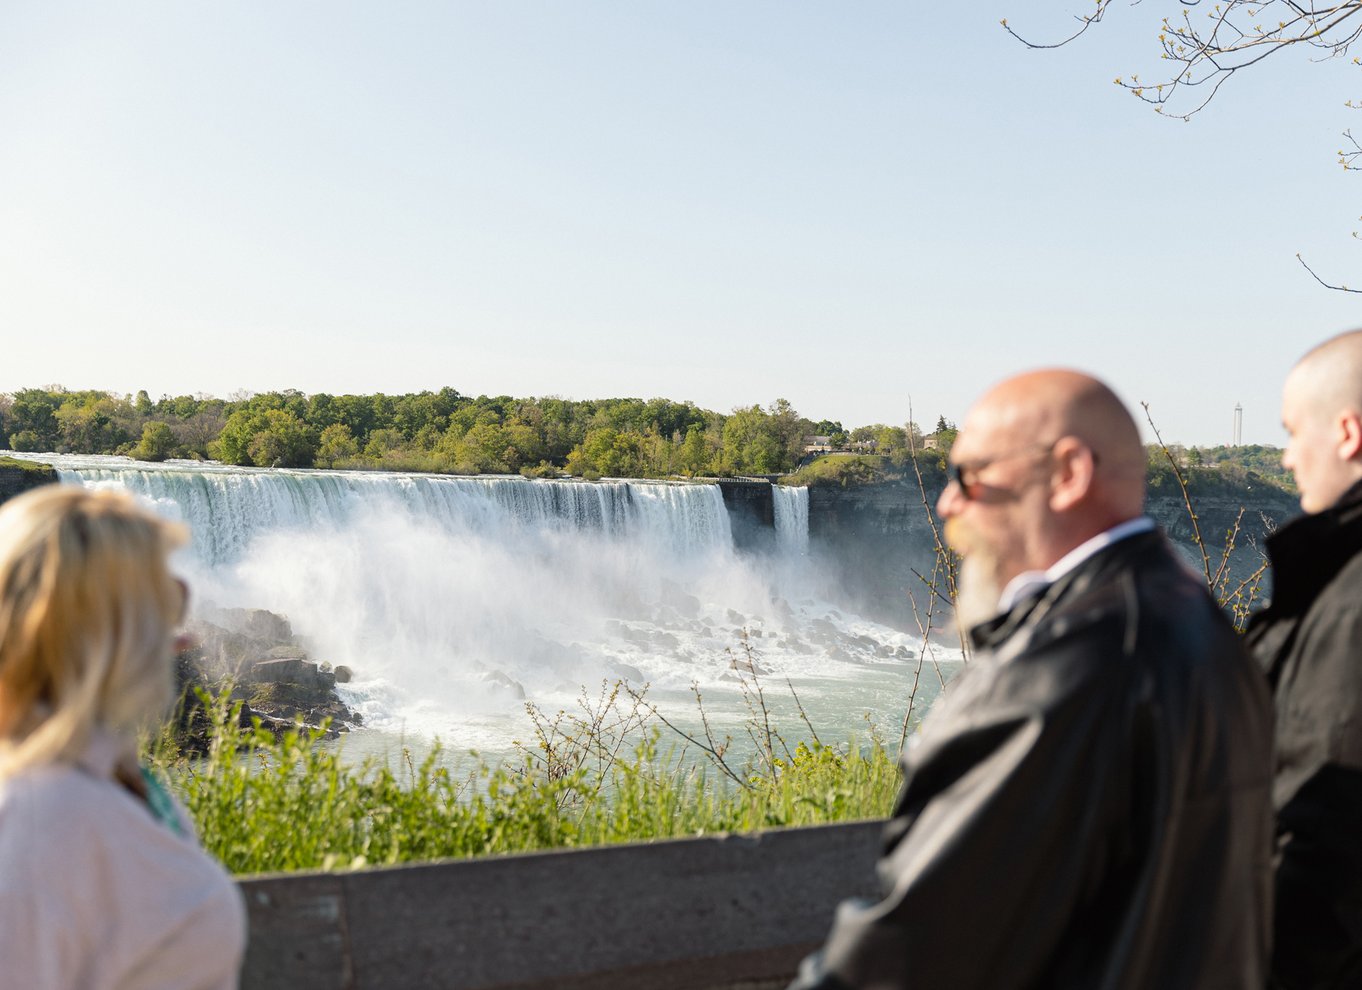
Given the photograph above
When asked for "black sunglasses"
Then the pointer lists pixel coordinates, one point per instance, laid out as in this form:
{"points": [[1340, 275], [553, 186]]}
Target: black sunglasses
{"points": [[966, 474]]}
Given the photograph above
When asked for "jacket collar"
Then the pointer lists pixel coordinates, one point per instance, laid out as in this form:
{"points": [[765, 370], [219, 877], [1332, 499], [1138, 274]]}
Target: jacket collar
{"points": [[1310, 550], [992, 634]]}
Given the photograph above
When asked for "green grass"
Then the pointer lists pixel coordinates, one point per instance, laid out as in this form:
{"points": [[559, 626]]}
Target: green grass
{"points": [[841, 470], [262, 805], [28, 467]]}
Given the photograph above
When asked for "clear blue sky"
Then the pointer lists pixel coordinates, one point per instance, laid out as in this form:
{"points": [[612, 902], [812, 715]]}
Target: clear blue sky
{"points": [[846, 205]]}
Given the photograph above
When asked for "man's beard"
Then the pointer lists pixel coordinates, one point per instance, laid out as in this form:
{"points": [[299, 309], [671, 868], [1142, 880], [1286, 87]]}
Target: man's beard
{"points": [[977, 589]]}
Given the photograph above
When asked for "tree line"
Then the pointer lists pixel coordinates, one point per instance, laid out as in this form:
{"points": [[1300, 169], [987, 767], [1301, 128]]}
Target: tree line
{"points": [[447, 432], [442, 431]]}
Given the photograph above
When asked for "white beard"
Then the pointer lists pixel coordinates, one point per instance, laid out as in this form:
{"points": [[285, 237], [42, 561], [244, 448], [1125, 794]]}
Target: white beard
{"points": [[977, 591]]}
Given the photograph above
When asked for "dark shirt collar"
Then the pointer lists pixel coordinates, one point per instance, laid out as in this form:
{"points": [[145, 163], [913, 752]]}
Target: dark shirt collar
{"points": [[1309, 551]]}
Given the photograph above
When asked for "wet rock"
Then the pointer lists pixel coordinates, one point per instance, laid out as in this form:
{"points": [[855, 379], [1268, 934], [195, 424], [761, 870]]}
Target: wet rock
{"points": [[290, 669], [746, 665], [291, 652], [344, 674], [253, 655], [503, 681], [280, 704], [626, 672], [665, 640], [823, 631]]}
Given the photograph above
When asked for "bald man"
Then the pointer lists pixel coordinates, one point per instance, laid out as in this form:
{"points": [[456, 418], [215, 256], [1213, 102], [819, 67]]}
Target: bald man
{"points": [[1088, 805], [1309, 640]]}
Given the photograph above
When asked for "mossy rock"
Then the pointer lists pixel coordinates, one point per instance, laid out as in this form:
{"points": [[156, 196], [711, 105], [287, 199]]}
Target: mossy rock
{"points": [[46, 471], [17, 476]]}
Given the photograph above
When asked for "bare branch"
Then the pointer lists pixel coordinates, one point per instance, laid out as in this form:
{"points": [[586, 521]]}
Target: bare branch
{"points": [[1186, 498], [1085, 21], [1200, 54], [1336, 288], [715, 750]]}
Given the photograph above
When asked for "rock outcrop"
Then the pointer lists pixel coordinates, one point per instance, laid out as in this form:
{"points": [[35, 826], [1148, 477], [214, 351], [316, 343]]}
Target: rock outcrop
{"points": [[18, 476], [254, 654]]}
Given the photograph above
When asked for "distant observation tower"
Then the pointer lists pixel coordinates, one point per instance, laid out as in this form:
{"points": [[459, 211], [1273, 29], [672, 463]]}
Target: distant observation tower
{"points": [[1238, 424]]}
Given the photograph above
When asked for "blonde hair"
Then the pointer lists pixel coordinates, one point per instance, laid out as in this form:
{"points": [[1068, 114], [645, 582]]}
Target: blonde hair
{"points": [[88, 609]]}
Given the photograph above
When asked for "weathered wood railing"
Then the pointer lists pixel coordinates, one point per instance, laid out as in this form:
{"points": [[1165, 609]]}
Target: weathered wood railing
{"points": [[690, 914]]}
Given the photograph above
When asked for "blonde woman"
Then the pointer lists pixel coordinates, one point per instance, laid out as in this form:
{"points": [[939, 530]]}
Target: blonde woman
{"points": [[102, 884]]}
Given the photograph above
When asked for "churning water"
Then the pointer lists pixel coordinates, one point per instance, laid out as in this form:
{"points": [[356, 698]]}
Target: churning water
{"points": [[453, 599]]}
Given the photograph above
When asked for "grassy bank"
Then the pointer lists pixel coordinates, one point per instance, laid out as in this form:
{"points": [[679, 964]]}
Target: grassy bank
{"points": [[600, 776]]}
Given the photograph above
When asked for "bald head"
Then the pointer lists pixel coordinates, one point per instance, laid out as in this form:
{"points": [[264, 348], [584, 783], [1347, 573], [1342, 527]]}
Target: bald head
{"points": [[1047, 460], [1330, 375], [1322, 412], [1056, 405]]}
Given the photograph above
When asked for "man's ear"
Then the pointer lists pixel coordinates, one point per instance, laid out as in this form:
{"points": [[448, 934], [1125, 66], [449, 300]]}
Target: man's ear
{"points": [[1074, 464], [1349, 435]]}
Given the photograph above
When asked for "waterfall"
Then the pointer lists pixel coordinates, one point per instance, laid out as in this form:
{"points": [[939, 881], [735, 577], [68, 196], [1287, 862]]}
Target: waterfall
{"points": [[791, 506], [227, 509], [453, 599]]}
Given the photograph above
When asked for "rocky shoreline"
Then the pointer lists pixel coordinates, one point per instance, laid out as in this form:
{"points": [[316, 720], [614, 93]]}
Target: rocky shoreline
{"points": [[254, 656]]}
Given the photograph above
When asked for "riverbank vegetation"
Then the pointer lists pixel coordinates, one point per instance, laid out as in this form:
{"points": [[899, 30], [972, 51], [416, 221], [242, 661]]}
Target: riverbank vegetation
{"points": [[429, 431], [440, 431], [606, 774], [449, 433]]}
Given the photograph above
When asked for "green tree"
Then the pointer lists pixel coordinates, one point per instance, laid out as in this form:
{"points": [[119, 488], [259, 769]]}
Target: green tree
{"points": [[693, 455], [944, 436], [382, 442], [93, 423], [285, 441], [751, 442], [337, 443], [157, 443], [609, 452], [269, 437], [892, 442], [480, 449], [33, 420]]}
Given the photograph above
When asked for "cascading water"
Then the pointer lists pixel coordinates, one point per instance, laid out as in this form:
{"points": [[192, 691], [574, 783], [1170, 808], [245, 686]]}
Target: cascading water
{"points": [[449, 597], [792, 519]]}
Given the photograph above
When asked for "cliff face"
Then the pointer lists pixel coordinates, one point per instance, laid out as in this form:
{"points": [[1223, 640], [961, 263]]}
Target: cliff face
{"points": [[1264, 509], [18, 476], [751, 514], [874, 538]]}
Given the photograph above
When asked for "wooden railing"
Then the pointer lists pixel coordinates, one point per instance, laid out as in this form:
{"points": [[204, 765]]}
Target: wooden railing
{"points": [[691, 914]]}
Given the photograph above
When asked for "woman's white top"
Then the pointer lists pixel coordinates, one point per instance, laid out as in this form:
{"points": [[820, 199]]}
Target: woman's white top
{"points": [[97, 894]]}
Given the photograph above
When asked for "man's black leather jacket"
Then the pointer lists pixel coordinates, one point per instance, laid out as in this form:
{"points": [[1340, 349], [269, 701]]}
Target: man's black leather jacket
{"points": [[1088, 807], [1309, 641]]}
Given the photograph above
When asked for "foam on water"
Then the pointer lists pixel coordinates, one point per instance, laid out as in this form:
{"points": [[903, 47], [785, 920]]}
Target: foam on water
{"points": [[449, 597]]}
